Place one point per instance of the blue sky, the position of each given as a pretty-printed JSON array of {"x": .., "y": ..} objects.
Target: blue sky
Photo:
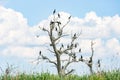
[
  {"x": 19, "y": 21},
  {"x": 37, "y": 10}
]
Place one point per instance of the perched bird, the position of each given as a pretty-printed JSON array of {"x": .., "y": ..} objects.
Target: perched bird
[
  {"x": 60, "y": 33},
  {"x": 54, "y": 11},
  {"x": 81, "y": 58},
  {"x": 74, "y": 56},
  {"x": 58, "y": 15},
  {"x": 98, "y": 63},
  {"x": 52, "y": 25},
  {"x": 75, "y": 36},
  {"x": 62, "y": 46},
  {"x": 90, "y": 61},
  {"x": 69, "y": 17},
  {"x": 56, "y": 29},
  {"x": 44, "y": 57},
  {"x": 40, "y": 53},
  {"x": 71, "y": 45},
  {"x": 51, "y": 44},
  {"x": 75, "y": 45},
  {"x": 44, "y": 29},
  {"x": 58, "y": 22},
  {"x": 67, "y": 46},
  {"x": 51, "y": 22},
  {"x": 80, "y": 50}
]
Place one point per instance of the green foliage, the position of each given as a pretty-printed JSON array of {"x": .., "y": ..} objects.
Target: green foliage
[{"x": 110, "y": 75}]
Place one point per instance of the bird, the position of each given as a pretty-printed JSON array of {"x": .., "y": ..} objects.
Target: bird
[
  {"x": 56, "y": 29},
  {"x": 98, "y": 63},
  {"x": 69, "y": 17},
  {"x": 40, "y": 53},
  {"x": 51, "y": 22},
  {"x": 62, "y": 46},
  {"x": 54, "y": 11},
  {"x": 74, "y": 37},
  {"x": 80, "y": 50},
  {"x": 74, "y": 56},
  {"x": 58, "y": 22},
  {"x": 90, "y": 61},
  {"x": 75, "y": 45},
  {"x": 44, "y": 29},
  {"x": 60, "y": 33},
  {"x": 67, "y": 46},
  {"x": 52, "y": 25},
  {"x": 44, "y": 57},
  {"x": 81, "y": 58},
  {"x": 58, "y": 15}
]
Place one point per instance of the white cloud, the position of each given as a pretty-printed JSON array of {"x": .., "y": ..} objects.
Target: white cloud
[
  {"x": 113, "y": 45},
  {"x": 19, "y": 51},
  {"x": 21, "y": 41}
]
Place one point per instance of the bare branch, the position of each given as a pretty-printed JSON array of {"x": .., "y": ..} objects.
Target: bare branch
[
  {"x": 72, "y": 70},
  {"x": 51, "y": 51},
  {"x": 44, "y": 29},
  {"x": 67, "y": 22},
  {"x": 46, "y": 58}
]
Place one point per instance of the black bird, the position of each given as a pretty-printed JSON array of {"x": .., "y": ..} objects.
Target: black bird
[
  {"x": 71, "y": 45},
  {"x": 75, "y": 45},
  {"x": 40, "y": 53},
  {"x": 67, "y": 46},
  {"x": 74, "y": 56},
  {"x": 52, "y": 25},
  {"x": 90, "y": 61},
  {"x": 74, "y": 37},
  {"x": 80, "y": 50},
  {"x": 51, "y": 22},
  {"x": 56, "y": 29},
  {"x": 54, "y": 11},
  {"x": 98, "y": 63},
  {"x": 60, "y": 33},
  {"x": 58, "y": 15},
  {"x": 62, "y": 45},
  {"x": 81, "y": 57},
  {"x": 58, "y": 23},
  {"x": 69, "y": 17}
]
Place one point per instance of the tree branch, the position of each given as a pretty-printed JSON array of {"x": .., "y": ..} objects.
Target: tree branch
[
  {"x": 69, "y": 72},
  {"x": 46, "y": 58}
]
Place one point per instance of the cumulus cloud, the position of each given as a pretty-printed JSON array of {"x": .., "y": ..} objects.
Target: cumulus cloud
[
  {"x": 15, "y": 31},
  {"x": 19, "y": 39}
]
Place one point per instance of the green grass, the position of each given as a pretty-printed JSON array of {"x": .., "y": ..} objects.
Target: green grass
[{"x": 110, "y": 75}]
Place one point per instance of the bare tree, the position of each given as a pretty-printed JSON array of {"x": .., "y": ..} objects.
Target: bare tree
[
  {"x": 55, "y": 33},
  {"x": 89, "y": 62},
  {"x": 71, "y": 49}
]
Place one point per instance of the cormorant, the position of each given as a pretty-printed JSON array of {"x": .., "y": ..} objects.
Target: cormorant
[
  {"x": 54, "y": 11},
  {"x": 40, "y": 53},
  {"x": 69, "y": 17},
  {"x": 58, "y": 15}
]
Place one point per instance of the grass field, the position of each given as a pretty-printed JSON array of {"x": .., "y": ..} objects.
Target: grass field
[{"x": 110, "y": 75}]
